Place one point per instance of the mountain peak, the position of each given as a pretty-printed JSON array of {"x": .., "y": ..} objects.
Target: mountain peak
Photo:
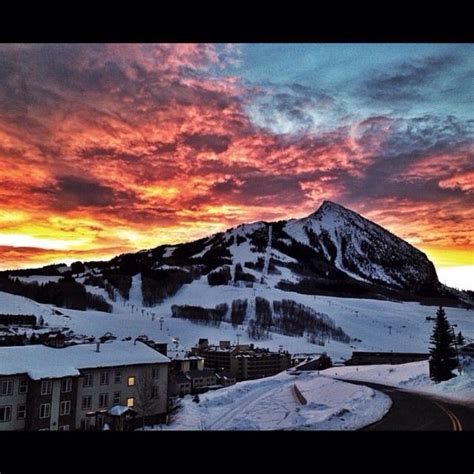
[{"x": 329, "y": 206}]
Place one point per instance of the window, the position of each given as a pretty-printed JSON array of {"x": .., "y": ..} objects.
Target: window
[
  {"x": 23, "y": 387},
  {"x": 131, "y": 381},
  {"x": 155, "y": 392},
  {"x": 21, "y": 412},
  {"x": 88, "y": 380},
  {"x": 104, "y": 378},
  {"x": 66, "y": 385},
  {"x": 86, "y": 402},
  {"x": 46, "y": 387},
  {"x": 118, "y": 377},
  {"x": 64, "y": 428},
  {"x": 116, "y": 398},
  {"x": 6, "y": 387},
  {"x": 65, "y": 408},
  {"x": 103, "y": 400},
  {"x": 45, "y": 410},
  {"x": 5, "y": 414},
  {"x": 155, "y": 373},
  {"x": 130, "y": 402}
]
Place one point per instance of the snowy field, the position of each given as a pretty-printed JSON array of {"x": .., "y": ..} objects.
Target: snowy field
[
  {"x": 413, "y": 376},
  {"x": 379, "y": 325},
  {"x": 270, "y": 404}
]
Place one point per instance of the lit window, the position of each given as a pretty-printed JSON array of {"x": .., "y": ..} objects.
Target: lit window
[
  {"x": 130, "y": 402},
  {"x": 131, "y": 381}
]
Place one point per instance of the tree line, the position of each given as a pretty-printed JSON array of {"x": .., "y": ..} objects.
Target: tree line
[{"x": 65, "y": 293}]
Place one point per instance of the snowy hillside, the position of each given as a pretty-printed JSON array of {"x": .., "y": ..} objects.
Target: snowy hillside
[{"x": 371, "y": 324}]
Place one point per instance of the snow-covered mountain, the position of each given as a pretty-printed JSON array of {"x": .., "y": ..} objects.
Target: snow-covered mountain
[
  {"x": 363, "y": 249},
  {"x": 333, "y": 251}
]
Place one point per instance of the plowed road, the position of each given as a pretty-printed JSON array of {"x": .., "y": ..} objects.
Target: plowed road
[{"x": 418, "y": 412}]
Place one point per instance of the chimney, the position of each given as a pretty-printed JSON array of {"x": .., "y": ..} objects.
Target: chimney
[{"x": 97, "y": 349}]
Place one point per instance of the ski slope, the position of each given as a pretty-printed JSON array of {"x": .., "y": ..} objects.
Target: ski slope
[{"x": 368, "y": 321}]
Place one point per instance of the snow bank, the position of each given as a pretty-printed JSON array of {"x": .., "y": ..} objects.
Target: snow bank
[
  {"x": 413, "y": 376},
  {"x": 270, "y": 404}
]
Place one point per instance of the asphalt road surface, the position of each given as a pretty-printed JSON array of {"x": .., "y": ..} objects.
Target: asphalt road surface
[{"x": 418, "y": 412}]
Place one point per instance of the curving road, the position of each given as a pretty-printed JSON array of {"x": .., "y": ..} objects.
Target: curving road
[{"x": 419, "y": 412}]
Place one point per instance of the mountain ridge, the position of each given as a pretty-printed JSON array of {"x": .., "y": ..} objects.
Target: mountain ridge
[{"x": 333, "y": 250}]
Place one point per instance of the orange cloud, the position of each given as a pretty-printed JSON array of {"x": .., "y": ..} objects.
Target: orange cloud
[{"x": 113, "y": 148}]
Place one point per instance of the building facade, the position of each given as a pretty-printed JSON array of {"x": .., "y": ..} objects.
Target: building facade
[
  {"x": 369, "y": 358},
  {"x": 45, "y": 388},
  {"x": 244, "y": 362}
]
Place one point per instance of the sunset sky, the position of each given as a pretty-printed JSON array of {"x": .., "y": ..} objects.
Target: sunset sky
[{"x": 111, "y": 148}]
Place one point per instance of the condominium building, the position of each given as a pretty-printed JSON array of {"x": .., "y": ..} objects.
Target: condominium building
[
  {"x": 244, "y": 362},
  {"x": 46, "y": 388}
]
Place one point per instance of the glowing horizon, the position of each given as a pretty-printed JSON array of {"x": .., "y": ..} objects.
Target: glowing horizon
[{"x": 114, "y": 148}]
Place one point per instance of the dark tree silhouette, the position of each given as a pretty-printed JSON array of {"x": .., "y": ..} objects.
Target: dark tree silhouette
[{"x": 443, "y": 352}]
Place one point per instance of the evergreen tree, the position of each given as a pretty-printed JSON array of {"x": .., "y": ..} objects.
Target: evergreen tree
[
  {"x": 443, "y": 352},
  {"x": 460, "y": 339}
]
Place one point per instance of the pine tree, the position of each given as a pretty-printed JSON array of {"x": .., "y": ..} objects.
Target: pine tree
[
  {"x": 460, "y": 339},
  {"x": 443, "y": 352}
]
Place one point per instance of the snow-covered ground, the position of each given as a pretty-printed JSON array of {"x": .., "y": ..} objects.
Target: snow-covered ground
[
  {"x": 41, "y": 279},
  {"x": 413, "y": 376},
  {"x": 270, "y": 404},
  {"x": 379, "y": 325}
]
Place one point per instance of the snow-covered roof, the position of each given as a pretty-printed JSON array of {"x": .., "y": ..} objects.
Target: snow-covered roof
[
  {"x": 118, "y": 410},
  {"x": 46, "y": 362}
]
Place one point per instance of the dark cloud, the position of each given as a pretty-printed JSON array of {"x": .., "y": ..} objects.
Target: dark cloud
[
  {"x": 206, "y": 142},
  {"x": 98, "y": 153},
  {"x": 415, "y": 137},
  {"x": 410, "y": 156},
  {"x": 71, "y": 192},
  {"x": 407, "y": 80},
  {"x": 260, "y": 190}
]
